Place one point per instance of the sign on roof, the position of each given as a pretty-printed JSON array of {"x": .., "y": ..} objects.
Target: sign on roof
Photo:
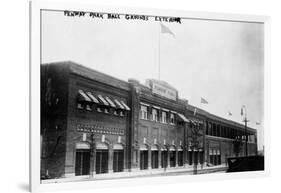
[{"x": 163, "y": 89}]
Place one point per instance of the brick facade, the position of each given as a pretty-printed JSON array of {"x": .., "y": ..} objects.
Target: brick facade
[{"x": 82, "y": 139}]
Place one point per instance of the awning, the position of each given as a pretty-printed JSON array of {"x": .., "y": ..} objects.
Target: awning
[
  {"x": 103, "y": 100},
  {"x": 124, "y": 105},
  {"x": 110, "y": 102},
  {"x": 119, "y": 104},
  {"x": 92, "y": 97},
  {"x": 183, "y": 117},
  {"x": 82, "y": 96}
]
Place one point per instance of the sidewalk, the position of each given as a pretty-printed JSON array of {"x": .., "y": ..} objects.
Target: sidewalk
[{"x": 141, "y": 173}]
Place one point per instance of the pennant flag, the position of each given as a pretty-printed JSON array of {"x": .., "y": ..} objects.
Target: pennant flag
[
  {"x": 242, "y": 110},
  {"x": 229, "y": 113},
  {"x": 195, "y": 111},
  {"x": 165, "y": 29},
  {"x": 258, "y": 123},
  {"x": 204, "y": 101}
]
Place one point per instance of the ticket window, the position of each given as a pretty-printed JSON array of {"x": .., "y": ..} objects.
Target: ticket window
[
  {"x": 118, "y": 158},
  {"x": 101, "y": 158}
]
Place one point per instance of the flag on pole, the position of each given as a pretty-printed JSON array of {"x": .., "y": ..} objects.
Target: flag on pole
[
  {"x": 165, "y": 29},
  {"x": 204, "y": 101},
  {"x": 229, "y": 113}
]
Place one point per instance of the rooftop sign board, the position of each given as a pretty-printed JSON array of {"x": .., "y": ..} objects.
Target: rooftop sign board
[{"x": 162, "y": 88}]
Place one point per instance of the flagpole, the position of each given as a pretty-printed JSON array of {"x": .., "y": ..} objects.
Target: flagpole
[{"x": 159, "y": 51}]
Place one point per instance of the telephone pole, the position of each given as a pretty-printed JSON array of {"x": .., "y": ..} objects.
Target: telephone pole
[{"x": 246, "y": 135}]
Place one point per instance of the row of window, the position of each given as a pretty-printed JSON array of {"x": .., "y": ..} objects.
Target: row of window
[
  {"x": 157, "y": 115},
  {"x": 82, "y": 161},
  {"x": 164, "y": 159},
  {"x": 100, "y": 109},
  {"x": 226, "y": 132}
]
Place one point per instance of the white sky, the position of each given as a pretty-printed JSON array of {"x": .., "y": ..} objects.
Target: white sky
[{"x": 217, "y": 60}]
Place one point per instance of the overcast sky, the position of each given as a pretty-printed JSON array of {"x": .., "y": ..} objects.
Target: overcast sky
[{"x": 221, "y": 61}]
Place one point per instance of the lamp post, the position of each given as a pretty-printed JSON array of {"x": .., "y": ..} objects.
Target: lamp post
[{"x": 246, "y": 135}]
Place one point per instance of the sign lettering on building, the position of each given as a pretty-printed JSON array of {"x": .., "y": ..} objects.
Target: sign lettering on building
[
  {"x": 163, "y": 90},
  {"x": 100, "y": 129}
]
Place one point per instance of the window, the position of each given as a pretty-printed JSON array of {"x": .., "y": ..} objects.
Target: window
[
  {"x": 99, "y": 109},
  {"x": 164, "y": 117},
  {"x": 106, "y": 110},
  {"x": 115, "y": 112},
  {"x": 143, "y": 112},
  {"x": 80, "y": 105},
  {"x": 88, "y": 107},
  {"x": 154, "y": 115},
  {"x": 172, "y": 118},
  {"x": 122, "y": 113}
]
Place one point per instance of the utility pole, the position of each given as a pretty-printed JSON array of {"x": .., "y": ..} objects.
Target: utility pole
[{"x": 246, "y": 135}]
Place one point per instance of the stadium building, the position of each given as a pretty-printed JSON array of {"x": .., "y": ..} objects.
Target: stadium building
[{"x": 93, "y": 123}]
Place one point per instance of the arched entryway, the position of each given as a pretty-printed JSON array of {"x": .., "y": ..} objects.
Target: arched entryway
[
  {"x": 180, "y": 156},
  {"x": 118, "y": 158},
  {"x": 82, "y": 159},
  {"x": 164, "y": 157},
  {"x": 172, "y": 151},
  {"x": 154, "y": 156},
  {"x": 143, "y": 157},
  {"x": 101, "y": 158}
]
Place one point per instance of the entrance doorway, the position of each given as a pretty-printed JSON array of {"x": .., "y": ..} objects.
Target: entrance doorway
[
  {"x": 154, "y": 157},
  {"x": 143, "y": 157},
  {"x": 180, "y": 157},
  {"x": 101, "y": 158},
  {"x": 118, "y": 158},
  {"x": 82, "y": 162},
  {"x": 164, "y": 158},
  {"x": 172, "y": 151}
]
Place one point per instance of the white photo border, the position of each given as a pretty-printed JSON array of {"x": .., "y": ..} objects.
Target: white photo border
[{"x": 34, "y": 82}]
